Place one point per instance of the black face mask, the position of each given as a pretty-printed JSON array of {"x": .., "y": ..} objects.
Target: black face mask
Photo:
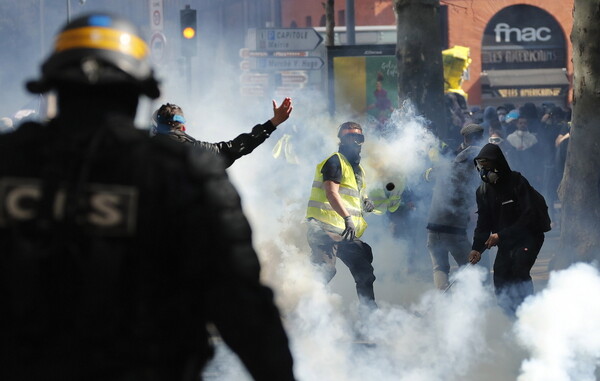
[
  {"x": 350, "y": 147},
  {"x": 351, "y": 152}
]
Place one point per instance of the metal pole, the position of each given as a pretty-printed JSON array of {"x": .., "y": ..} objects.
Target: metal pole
[
  {"x": 350, "y": 34},
  {"x": 188, "y": 75},
  {"x": 68, "y": 11}
]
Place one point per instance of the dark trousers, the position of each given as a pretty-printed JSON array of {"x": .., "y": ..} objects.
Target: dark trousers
[
  {"x": 512, "y": 280},
  {"x": 356, "y": 254}
]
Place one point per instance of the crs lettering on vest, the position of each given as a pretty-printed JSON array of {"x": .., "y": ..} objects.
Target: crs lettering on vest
[{"x": 106, "y": 209}]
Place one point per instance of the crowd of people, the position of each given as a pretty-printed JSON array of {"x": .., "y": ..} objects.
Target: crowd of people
[
  {"x": 534, "y": 140},
  {"x": 108, "y": 233}
]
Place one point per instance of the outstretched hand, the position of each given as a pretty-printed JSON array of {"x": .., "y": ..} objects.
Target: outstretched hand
[{"x": 281, "y": 113}]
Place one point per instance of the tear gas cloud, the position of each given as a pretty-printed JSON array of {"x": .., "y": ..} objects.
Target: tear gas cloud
[
  {"x": 418, "y": 333},
  {"x": 559, "y": 328}
]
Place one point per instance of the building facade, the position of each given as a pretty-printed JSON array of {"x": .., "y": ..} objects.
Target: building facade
[{"x": 520, "y": 49}]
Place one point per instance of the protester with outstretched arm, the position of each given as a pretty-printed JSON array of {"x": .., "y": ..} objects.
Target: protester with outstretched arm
[{"x": 169, "y": 120}]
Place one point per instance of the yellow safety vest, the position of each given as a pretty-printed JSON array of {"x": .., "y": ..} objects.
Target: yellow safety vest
[{"x": 319, "y": 207}]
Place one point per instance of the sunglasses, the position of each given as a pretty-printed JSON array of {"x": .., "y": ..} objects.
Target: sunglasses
[
  {"x": 353, "y": 138},
  {"x": 495, "y": 140}
]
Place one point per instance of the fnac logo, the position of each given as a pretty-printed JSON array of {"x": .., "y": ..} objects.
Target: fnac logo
[{"x": 504, "y": 33}]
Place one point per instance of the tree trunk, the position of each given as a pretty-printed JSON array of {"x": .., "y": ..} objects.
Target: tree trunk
[
  {"x": 329, "y": 23},
  {"x": 580, "y": 187},
  {"x": 419, "y": 54}
]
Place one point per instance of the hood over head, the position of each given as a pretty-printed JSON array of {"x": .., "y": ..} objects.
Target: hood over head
[
  {"x": 489, "y": 114},
  {"x": 528, "y": 111},
  {"x": 493, "y": 153}
]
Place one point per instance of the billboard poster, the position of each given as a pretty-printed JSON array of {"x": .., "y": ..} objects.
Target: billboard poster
[{"x": 363, "y": 80}]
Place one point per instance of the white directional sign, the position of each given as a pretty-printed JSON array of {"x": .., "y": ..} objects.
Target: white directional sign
[
  {"x": 291, "y": 39},
  {"x": 285, "y": 63}
]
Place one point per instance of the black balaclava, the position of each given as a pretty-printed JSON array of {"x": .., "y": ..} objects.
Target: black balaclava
[
  {"x": 350, "y": 149},
  {"x": 500, "y": 168}
]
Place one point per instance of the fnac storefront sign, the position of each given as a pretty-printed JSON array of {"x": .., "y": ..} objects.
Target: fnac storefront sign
[{"x": 523, "y": 37}]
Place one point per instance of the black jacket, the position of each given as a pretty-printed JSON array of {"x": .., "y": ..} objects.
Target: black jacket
[
  {"x": 232, "y": 150},
  {"x": 116, "y": 250},
  {"x": 506, "y": 207}
]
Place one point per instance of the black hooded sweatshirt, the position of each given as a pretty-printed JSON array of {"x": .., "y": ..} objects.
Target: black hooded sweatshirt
[{"x": 506, "y": 207}]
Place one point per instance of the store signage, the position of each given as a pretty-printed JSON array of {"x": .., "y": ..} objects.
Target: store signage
[
  {"x": 504, "y": 33},
  {"x": 523, "y": 37},
  {"x": 531, "y": 92}
]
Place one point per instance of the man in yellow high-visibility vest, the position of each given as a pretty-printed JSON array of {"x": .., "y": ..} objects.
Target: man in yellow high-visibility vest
[{"x": 335, "y": 213}]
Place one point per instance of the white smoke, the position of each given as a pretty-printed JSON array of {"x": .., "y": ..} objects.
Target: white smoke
[
  {"x": 560, "y": 328},
  {"x": 418, "y": 333}
]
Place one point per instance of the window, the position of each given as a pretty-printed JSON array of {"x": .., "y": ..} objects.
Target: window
[
  {"x": 342, "y": 18},
  {"x": 323, "y": 21}
]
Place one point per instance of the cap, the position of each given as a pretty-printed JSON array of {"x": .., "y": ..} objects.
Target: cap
[
  {"x": 512, "y": 115},
  {"x": 471, "y": 129}
]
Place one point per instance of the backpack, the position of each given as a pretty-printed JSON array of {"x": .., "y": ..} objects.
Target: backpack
[
  {"x": 543, "y": 221},
  {"x": 541, "y": 210}
]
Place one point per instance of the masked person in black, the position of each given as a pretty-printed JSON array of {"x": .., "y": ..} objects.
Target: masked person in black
[
  {"x": 335, "y": 213},
  {"x": 117, "y": 249},
  {"x": 508, "y": 218},
  {"x": 170, "y": 121}
]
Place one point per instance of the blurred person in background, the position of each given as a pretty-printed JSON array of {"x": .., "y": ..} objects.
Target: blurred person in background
[
  {"x": 169, "y": 120},
  {"x": 553, "y": 122},
  {"x": 118, "y": 249},
  {"x": 511, "y": 122},
  {"x": 530, "y": 112},
  {"x": 451, "y": 207},
  {"x": 497, "y": 137},
  {"x": 501, "y": 111},
  {"x": 490, "y": 120},
  {"x": 526, "y": 153}
]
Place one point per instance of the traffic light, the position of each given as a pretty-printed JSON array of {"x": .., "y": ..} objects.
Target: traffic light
[{"x": 189, "y": 41}]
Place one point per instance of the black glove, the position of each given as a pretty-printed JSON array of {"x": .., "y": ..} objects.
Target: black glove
[
  {"x": 368, "y": 205},
  {"x": 349, "y": 232}
]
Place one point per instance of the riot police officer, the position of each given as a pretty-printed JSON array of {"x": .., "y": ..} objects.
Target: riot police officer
[{"x": 116, "y": 249}]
